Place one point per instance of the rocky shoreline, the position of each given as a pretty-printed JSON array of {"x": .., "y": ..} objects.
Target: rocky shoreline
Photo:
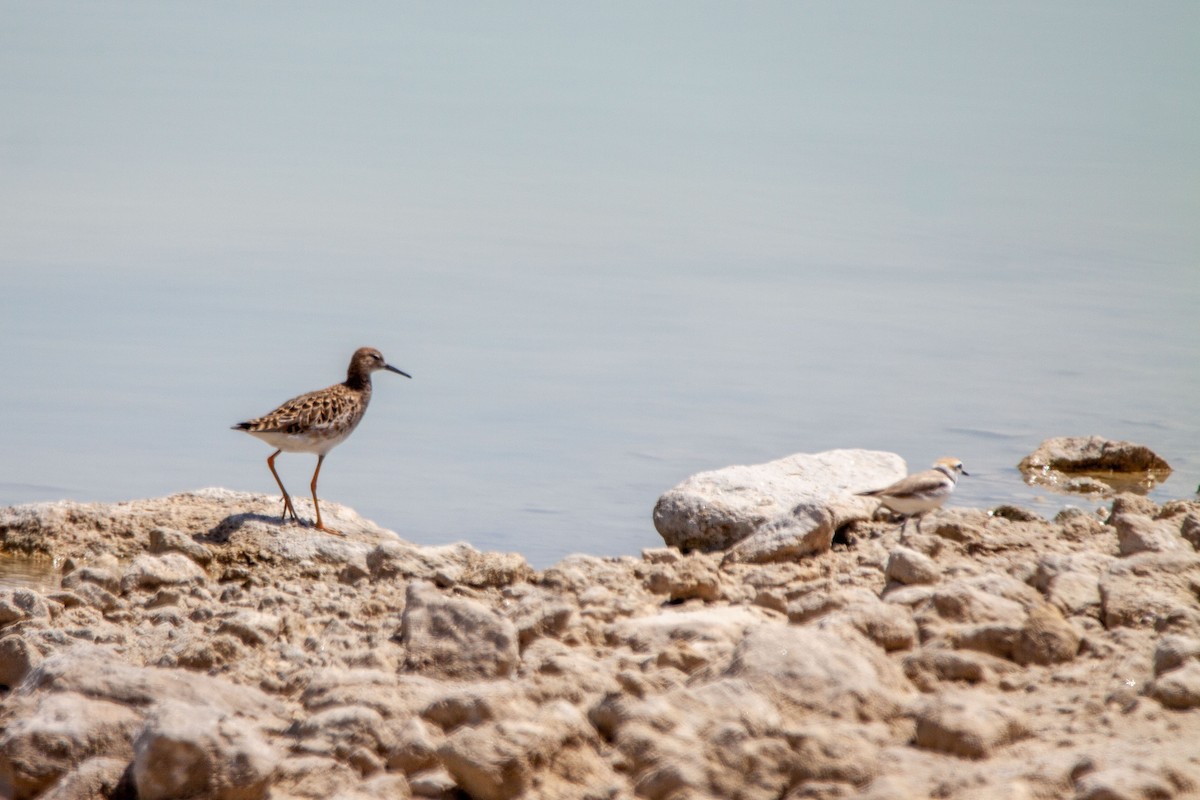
[{"x": 199, "y": 648}]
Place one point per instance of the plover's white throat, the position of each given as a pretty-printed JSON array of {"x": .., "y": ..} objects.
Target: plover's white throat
[
  {"x": 319, "y": 421},
  {"x": 921, "y": 492}
]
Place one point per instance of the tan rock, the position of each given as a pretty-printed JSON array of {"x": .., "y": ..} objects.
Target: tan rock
[
  {"x": 18, "y": 656},
  {"x": 98, "y": 672},
  {"x": 20, "y": 605},
  {"x": 928, "y": 667},
  {"x": 554, "y": 754},
  {"x": 1145, "y": 589},
  {"x": 169, "y": 540},
  {"x": 1071, "y": 582},
  {"x": 712, "y": 634},
  {"x": 56, "y": 732},
  {"x": 393, "y": 696},
  {"x": 455, "y": 637},
  {"x": 555, "y": 671},
  {"x": 805, "y": 531},
  {"x": 148, "y": 572},
  {"x": 104, "y": 577},
  {"x": 253, "y": 628},
  {"x": 446, "y": 565},
  {"x": 889, "y": 625},
  {"x": 432, "y": 783},
  {"x": 188, "y": 750},
  {"x": 1178, "y": 688},
  {"x": 1173, "y": 652},
  {"x": 414, "y": 746},
  {"x": 693, "y": 577},
  {"x": 841, "y": 675},
  {"x": 907, "y": 566},
  {"x": 338, "y": 730},
  {"x": 312, "y": 777},
  {"x": 94, "y": 779},
  {"x": 1135, "y": 781},
  {"x": 1141, "y": 534},
  {"x": 968, "y": 725},
  {"x": 1045, "y": 637},
  {"x": 540, "y": 613}
]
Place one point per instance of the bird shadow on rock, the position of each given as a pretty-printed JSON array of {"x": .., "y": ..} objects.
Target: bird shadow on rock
[{"x": 224, "y": 530}]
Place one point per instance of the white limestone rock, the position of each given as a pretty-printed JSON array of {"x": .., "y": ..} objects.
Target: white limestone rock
[{"x": 796, "y": 502}]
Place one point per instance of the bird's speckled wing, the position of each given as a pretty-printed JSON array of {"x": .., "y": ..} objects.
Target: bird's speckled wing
[{"x": 331, "y": 407}]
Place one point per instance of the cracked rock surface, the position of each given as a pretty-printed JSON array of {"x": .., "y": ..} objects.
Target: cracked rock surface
[{"x": 198, "y": 648}]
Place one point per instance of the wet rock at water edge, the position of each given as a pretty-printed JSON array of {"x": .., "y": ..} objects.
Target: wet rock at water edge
[{"x": 1094, "y": 465}]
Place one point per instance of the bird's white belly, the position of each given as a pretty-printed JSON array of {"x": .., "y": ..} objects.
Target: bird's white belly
[
  {"x": 318, "y": 441},
  {"x": 916, "y": 504}
]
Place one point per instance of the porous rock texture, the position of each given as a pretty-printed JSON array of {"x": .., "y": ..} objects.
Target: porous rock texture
[{"x": 197, "y": 647}]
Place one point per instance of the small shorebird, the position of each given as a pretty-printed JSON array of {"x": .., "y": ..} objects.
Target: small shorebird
[
  {"x": 921, "y": 492},
  {"x": 319, "y": 421}
]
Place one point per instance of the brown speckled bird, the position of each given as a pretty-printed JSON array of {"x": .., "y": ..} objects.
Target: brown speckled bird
[{"x": 319, "y": 421}]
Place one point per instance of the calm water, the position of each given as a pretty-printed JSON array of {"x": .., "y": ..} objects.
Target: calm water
[
  {"x": 40, "y": 574},
  {"x": 616, "y": 248}
]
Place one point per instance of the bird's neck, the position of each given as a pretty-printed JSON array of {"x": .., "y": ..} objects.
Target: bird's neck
[
  {"x": 359, "y": 382},
  {"x": 949, "y": 473}
]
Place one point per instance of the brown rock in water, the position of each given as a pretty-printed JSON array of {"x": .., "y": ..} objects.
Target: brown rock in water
[
  {"x": 1092, "y": 454},
  {"x": 1093, "y": 465}
]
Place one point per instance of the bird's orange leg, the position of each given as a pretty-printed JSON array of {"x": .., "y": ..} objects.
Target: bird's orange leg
[
  {"x": 313, "y": 486},
  {"x": 287, "y": 501}
]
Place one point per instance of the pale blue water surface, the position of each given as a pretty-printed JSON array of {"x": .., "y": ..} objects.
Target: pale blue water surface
[{"x": 615, "y": 245}]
